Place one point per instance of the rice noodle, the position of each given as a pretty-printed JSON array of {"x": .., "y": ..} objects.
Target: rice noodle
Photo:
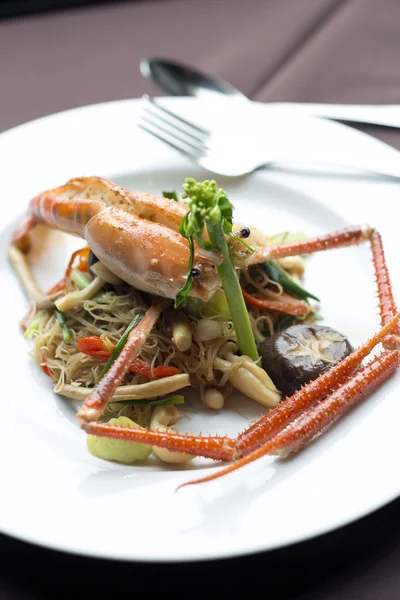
[{"x": 107, "y": 315}]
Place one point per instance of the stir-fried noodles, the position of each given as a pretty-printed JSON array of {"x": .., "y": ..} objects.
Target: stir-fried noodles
[
  {"x": 109, "y": 312},
  {"x": 202, "y": 295}
]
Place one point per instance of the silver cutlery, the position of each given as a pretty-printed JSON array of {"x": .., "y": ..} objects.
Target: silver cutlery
[
  {"x": 274, "y": 139},
  {"x": 177, "y": 79}
]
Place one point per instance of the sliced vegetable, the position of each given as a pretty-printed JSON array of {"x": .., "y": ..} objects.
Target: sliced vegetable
[
  {"x": 78, "y": 297},
  {"x": 120, "y": 345},
  {"x": 172, "y": 195},
  {"x": 33, "y": 325},
  {"x": 276, "y": 273},
  {"x": 210, "y": 207},
  {"x": 66, "y": 333},
  {"x": 164, "y": 402},
  {"x": 46, "y": 368},
  {"x": 141, "y": 367},
  {"x": 96, "y": 347},
  {"x": 79, "y": 279},
  {"x": 158, "y": 388},
  {"x": 287, "y": 304},
  {"x": 118, "y": 450},
  {"x": 217, "y": 305}
]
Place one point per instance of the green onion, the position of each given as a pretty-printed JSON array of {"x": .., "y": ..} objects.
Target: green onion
[
  {"x": 233, "y": 292},
  {"x": 171, "y": 400},
  {"x": 79, "y": 279},
  {"x": 33, "y": 325},
  {"x": 66, "y": 333},
  {"x": 276, "y": 273},
  {"x": 120, "y": 345},
  {"x": 172, "y": 195}
]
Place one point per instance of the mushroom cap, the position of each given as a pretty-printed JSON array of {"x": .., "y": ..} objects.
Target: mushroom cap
[{"x": 301, "y": 353}]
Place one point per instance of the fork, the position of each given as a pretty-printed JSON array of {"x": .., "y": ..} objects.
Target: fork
[{"x": 280, "y": 138}]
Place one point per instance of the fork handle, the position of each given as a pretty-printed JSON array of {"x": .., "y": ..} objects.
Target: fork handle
[{"x": 386, "y": 115}]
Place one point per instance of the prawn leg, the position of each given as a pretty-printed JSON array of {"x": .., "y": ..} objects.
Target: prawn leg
[
  {"x": 226, "y": 449},
  {"x": 292, "y": 407},
  {"x": 321, "y": 416},
  {"x": 278, "y": 418},
  {"x": 349, "y": 236},
  {"x": 387, "y": 304},
  {"x": 94, "y": 405},
  {"x": 215, "y": 447}
]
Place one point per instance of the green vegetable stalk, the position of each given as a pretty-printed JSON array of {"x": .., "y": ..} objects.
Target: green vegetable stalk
[
  {"x": 120, "y": 344},
  {"x": 66, "y": 333},
  {"x": 210, "y": 207},
  {"x": 176, "y": 399},
  {"x": 276, "y": 273},
  {"x": 79, "y": 279},
  {"x": 33, "y": 325}
]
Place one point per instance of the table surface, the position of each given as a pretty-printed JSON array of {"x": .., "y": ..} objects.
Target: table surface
[{"x": 314, "y": 50}]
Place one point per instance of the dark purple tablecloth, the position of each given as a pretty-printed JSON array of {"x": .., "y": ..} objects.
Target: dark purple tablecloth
[{"x": 309, "y": 50}]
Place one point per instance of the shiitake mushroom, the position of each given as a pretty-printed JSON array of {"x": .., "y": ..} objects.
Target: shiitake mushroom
[{"x": 301, "y": 353}]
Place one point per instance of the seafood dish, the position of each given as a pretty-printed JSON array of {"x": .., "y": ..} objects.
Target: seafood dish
[{"x": 170, "y": 292}]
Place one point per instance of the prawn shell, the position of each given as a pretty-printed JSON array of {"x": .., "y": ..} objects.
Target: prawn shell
[{"x": 149, "y": 256}]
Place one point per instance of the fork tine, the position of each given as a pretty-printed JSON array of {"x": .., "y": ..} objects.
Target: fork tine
[
  {"x": 164, "y": 110},
  {"x": 180, "y": 148},
  {"x": 200, "y": 139},
  {"x": 194, "y": 145}
]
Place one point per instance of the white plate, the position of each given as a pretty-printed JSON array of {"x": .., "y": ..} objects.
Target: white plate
[{"x": 56, "y": 494}]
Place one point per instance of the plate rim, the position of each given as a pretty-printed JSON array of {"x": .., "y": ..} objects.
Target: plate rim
[{"x": 235, "y": 553}]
